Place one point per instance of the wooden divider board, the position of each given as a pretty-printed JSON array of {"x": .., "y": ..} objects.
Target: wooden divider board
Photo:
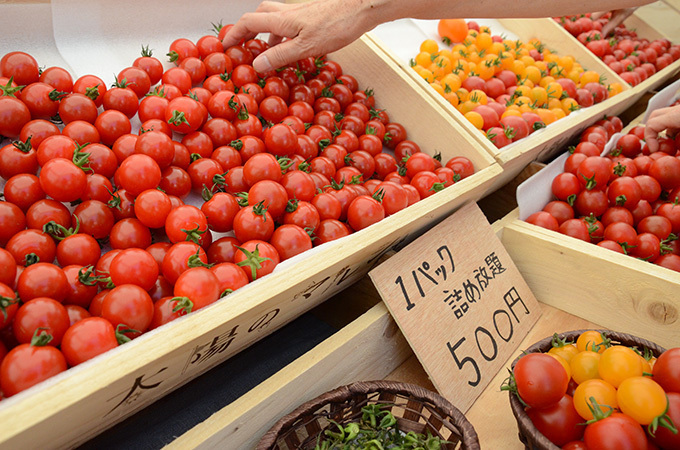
[
  {"x": 369, "y": 348},
  {"x": 616, "y": 291},
  {"x": 454, "y": 287}
]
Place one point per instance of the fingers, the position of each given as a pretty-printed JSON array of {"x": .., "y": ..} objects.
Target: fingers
[
  {"x": 660, "y": 120},
  {"x": 263, "y": 20},
  {"x": 618, "y": 16},
  {"x": 286, "y": 52}
]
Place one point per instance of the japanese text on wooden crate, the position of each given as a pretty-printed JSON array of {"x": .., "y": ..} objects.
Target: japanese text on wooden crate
[{"x": 460, "y": 302}]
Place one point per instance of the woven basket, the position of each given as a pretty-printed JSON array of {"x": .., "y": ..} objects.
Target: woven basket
[
  {"x": 415, "y": 408},
  {"x": 528, "y": 434}
]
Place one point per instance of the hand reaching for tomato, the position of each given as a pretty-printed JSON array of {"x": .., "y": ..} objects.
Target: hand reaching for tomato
[
  {"x": 323, "y": 26},
  {"x": 667, "y": 119},
  {"x": 616, "y": 19}
]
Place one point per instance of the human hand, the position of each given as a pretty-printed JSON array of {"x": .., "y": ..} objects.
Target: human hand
[
  {"x": 617, "y": 18},
  {"x": 667, "y": 119},
  {"x": 299, "y": 30}
]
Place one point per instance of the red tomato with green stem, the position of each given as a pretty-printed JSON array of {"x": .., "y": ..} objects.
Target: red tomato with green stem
[
  {"x": 128, "y": 305},
  {"x": 541, "y": 381},
  {"x": 82, "y": 285},
  {"x": 41, "y": 313},
  {"x": 185, "y": 223},
  {"x": 168, "y": 309},
  {"x": 290, "y": 240},
  {"x": 198, "y": 284},
  {"x": 88, "y": 338},
  {"x": 566, "y": 187},
  {"x": 180, "y": 257},
  {"x": 256, "y": 258},
  {"x": 9, "y": 303},
  {"x": 28, "y": 364}
]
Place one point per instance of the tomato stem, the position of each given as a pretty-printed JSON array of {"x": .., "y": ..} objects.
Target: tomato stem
[
  {"x": 183, "y": 304},
  {"x": 253, "y": 260},
  {"x": 41, "y": 337}
]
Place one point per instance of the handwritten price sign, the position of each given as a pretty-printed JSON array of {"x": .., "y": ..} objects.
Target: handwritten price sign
[{"x": 460, "y": 302}]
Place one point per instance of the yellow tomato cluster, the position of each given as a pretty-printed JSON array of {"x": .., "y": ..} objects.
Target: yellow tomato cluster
[
  {"x": 612, "y": 375},
  {"x": 482, "y": 55}
]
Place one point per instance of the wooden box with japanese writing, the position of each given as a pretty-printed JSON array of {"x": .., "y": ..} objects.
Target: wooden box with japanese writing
[
  {"x": 480, "y": 74},
  {"x": 76, "y": 404}
]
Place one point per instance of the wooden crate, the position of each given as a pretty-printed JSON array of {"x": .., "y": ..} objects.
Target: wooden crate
[
  {"x": 76, "y": 405},
  {"x": 611, "y": 289},
  {"x": 543, "y": 144},
  {"x": 384, "y": 353}
]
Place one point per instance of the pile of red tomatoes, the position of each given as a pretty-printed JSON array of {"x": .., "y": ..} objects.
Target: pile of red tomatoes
[
  {"x": 106, "y": 233},
  {"x": 626, "y": 201},
  {"x": 593, "y": 394},
  {"x": 634, "y": 58}
]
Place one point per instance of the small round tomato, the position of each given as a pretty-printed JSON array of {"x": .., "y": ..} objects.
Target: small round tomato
[
  {"x": 88, "y": 338},
  {"x": 128, "y": 305},
  {"x": 42, "y": 280},
  {"x": 198, "y": 284},
  {"x": 134, "y": 266},
  {"x": 256, "y": 258},
  {"x": 28, "y": 364},
  {"x": 560, "y": 423},
  {"x": 642, "y": 399},
  {"x": 666, "y": 370},
  {"x": 38, "y": 314},
  {"x": 290, "y": 240},
  {"x": 603, "y": 393},
  {"x": 616, "y": 432},
  {"x": 541, "y": 380},
  {"x": 618, "y": 363}
]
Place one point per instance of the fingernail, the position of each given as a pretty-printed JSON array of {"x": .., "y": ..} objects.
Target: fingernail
[{"x": 261, "y": 64}]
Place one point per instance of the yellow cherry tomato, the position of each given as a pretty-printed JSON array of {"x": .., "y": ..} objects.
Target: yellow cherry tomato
[
  {"x": 584, "y": 366},
  {"x": 618, "y": 363},
  {"x": 592, "y": 341},
  {"x": 567, "y": 351},
  {"x": 641, "y": 398},
  {"x": 429, "y": 46},
  {"x": 603, "y": 393},
  {"x": 475, "y": 118}
]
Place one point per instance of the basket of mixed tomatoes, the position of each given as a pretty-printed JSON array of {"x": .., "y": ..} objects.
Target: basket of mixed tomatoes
[{"x": 596, "y": 389}]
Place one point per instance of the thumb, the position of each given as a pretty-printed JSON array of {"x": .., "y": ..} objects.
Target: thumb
[{"x": 285, "y": 53}]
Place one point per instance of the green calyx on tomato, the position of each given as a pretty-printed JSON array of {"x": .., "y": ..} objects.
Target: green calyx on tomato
[
  {"x": 60, "y": 232},
  {"x": 510, "y": 385},
  {"x": 194, "y": 234},
  {"x": 121, "y": 329},
  {"x": 177, "y": 118},
  {"x": 558, "y": 342},
  {"x": 253, "y": 260},
  {"x": 436, "y": 187},
  {"x": 31, "y": 259},
  {"x": 242, "y": 199},
  {"x": 195, "y": 261},
  {"x": 292, "y": 205},
  {"x": 596, "y": 409},
  {"x": 22, "y": 146},
  {"x": 284, "y": 162},
  {"x": 172, "y": 56},
  {"x": 82, "y": 159},
  {"x": 182, "y": 304},
  {"x": 662, "y": 420},
  {"x": 56, "y": 95},
  {"x": 6, "y": 302},
  {"x": 86, "y": 276},
  {"x": 8, "y": 90},
  {"x": 120, "y": 83},
  {"x": 41, "y": 337},
  {"x": 259, "y": 209}
]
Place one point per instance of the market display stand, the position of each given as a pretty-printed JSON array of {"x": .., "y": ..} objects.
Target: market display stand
[{"x": 371, "y": 347}]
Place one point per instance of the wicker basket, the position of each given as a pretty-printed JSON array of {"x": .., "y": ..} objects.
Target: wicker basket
[
  {"x": 528, "y": 434},
  {"x": 415, "y": 408}
]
